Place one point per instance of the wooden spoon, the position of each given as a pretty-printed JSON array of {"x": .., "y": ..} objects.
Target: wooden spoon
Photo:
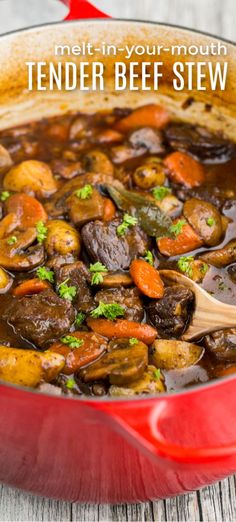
[{"x": 209, "y": 315}]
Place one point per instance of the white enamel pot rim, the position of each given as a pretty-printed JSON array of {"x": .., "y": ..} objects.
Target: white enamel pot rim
[{"x": 38, "y": 43}]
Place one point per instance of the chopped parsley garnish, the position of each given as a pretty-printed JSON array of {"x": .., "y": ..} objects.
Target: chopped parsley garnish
[
  {"x": 85, "y": 192},
  {"x": 72, "y": 341},
  {"x": 67, "y": 292},
  {"x": 204, "y": 268},
  {"x": 185, "y": 264},
  {"x": 210, "y": 222},
  {"x": 80, "y": 318},
  {"x": 149, "y": 257},
  {"x": 41, "y": 231},
  {"x": 110, "y": 311},
  {"x": 128, "y": 221},
  {"x": 4, "y": 195},
  {"x": 222, "y": 286},
  {"x": 45, "y": 274},
  {"x": 177, "y": 228},
  {"x": 98, "y": 270},
  {"x": 70, "y": 383},
  {"x": 133, "y": 341},
  {"x": 160, "y": 193},
  {"x": 12, "y": 240},
  {"x": 157, "y": 374}
]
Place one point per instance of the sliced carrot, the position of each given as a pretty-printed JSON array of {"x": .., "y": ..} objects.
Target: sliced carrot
[
  {"x": 226, "y": 371},
  {"x": 184, "y": 242},
  {"x": 93, "y": 346},
  {"x": 123, "y": 328},
  {"x": 146, "y": 278},
  {"x": 58, "y": 131},
  {"x": 109, "y": 210},
  {"x": 116, "y": 280},
  {"x": 30, "y": 287},
  {"x": 184, "y": 170},
  {"x": 28, "y": 209},
  {"x": 148, "y": 116},
  {"x": 109, "y": 136}
]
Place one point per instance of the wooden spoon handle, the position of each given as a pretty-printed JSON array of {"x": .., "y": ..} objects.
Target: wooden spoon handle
[
  {"x": 209, "y": 318},
  {"x": 210, "y": 314}
]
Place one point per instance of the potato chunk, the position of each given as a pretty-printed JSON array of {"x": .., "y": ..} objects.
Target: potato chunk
[
  {"x": 62, "y": 238},
  {"x": 5, "y": 281},
  {"x": 28, "y": 367},
  {"x": 33, "y": 177},
  {"x": 149, "y": 175},
  {"x": 174, "y": 355},
  {"x": 97, "y": 161}
]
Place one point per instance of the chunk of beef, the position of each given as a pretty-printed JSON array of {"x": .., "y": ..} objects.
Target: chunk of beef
[
  {"x": 204, "y": 145},
  {"x": 66, "y": 169},
  {"x": 149, "y": 138},
  {"x": 222, "y": 344},
  {"x": 115, "y": 252},
  {"x": 82, "y": 211},
  {"x": 171, "y": 314},
  {"x": 128, "y": 298},
  {"x": 41, "y": 318},
  {"x": 77, "y": 275}
]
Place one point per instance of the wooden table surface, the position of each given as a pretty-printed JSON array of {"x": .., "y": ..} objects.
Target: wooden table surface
[{"x": 212, "y": 504}]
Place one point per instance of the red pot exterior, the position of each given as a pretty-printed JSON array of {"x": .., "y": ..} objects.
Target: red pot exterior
[
  {"x": 116, "y": 451},
  {"x": 95, "y": 451}
]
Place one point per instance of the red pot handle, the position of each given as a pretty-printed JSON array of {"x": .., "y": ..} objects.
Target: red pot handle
[
  {"x": 145, "y": 429},
  {"x": 79, "y": 9}
]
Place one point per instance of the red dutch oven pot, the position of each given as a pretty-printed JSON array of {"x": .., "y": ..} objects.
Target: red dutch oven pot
[{"x": 112, "y": 450}]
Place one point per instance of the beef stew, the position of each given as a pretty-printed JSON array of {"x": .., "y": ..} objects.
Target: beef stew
[{"x": 92, "y": 207}]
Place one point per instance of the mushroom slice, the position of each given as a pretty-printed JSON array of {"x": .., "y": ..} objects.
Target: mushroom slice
[
  {"x": 174, "y": 355},
  {"x": 222, "y": 257},
  {"x": 205, "y": 220},
  {"x": 150, "y": 382},
  {"x": 14, "y": 254},
  {"x": 116, "y": 280},
  {"x": 58, "y": 204},
  {"x": 5, "y": 281},
  {"x": 123, "y": 365},
  {"x": 9, "y": 223},
  {"x": 28, "y": 367}
]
